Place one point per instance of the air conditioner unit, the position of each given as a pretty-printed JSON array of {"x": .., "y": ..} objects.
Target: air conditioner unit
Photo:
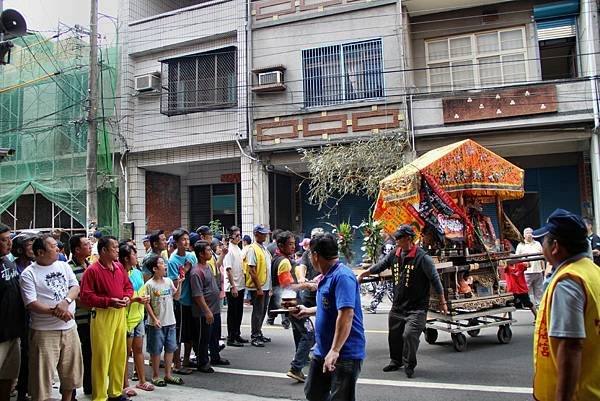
[
  {"x": 147, "y": 82},
  {"x": 270, "y": 78}
]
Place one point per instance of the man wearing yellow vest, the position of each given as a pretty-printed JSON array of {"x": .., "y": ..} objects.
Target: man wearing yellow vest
[
  {"x": 567, "y": 331},
  {"x": 258, "y": 283}
]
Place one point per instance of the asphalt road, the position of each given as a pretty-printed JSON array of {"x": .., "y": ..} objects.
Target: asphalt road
[{"x": 487, "y": 370}]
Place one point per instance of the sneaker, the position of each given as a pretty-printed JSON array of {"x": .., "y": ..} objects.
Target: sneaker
[
  {"x": 392, "y": 367},
  {"x": 206, "y": 369},
  {"x": 285, "y": 324},
  {"x": 257, "y": 342},
  {"x": 234, "y": 343},
  {"x": 410, "y": 372},
  {"x": 220, "y": 362},
  {"x": 265, "y": 339},
  {"x": 296, "y": 374},
  {"x": 242, "y": 340},
  {"x": 271, "y": 322}
]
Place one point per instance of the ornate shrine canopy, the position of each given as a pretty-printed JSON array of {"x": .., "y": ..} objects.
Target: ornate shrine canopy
[{"x": 463, "y": 168}]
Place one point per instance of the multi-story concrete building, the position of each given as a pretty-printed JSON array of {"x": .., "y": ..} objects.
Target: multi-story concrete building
[
  {"x": 279, "y": 75},
  {"x": 517, "y": 77},
  {"x": 184, "y": 108},
  {"x": 324, "y": 71}
]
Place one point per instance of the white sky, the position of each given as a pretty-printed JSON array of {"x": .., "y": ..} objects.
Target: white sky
[{"x": 44, "y": 15}]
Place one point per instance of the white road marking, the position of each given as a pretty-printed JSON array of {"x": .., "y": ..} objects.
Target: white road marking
[{"x": 394, "y": 383}]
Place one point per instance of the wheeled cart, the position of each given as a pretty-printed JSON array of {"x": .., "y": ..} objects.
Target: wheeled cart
[{"x": 458, "y": 323}]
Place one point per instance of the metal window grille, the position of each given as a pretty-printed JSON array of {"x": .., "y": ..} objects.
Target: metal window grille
[
  {"x": 200, "y": 82},
  {"x": 341, "y": 73}
]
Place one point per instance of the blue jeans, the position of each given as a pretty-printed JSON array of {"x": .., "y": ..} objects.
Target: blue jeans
[
  {"x": 304, "y": 338},
  {"x": 339, "y": 385}
]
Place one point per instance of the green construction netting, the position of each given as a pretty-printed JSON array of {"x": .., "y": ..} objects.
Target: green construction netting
[{"x": 43, "y": 116}]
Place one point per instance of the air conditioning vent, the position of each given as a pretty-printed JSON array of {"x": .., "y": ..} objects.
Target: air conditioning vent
[
  {"x": 270, "y": 78},
  {"x": 147, "y": 82}
]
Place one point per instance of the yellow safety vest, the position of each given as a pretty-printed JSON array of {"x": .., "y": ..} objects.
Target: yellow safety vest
[
  {"x": 587, "y": 274},
  {"x": 261, "y": 267}
]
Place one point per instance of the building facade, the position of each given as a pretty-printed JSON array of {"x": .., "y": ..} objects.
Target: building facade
[
  {"x": 218, "y": 98},
  {"x": 518, "y": 78},
  {"x": 184, "y": 108}
]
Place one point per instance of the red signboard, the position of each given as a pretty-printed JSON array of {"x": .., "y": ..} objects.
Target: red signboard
[{"x": 500, "y": 104}]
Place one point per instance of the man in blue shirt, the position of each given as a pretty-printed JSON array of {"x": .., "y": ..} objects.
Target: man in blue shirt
[{"x": 339, "y": 330}]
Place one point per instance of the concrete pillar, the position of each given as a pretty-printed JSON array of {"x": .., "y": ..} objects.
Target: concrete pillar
[{"x": 255, "y": 194}]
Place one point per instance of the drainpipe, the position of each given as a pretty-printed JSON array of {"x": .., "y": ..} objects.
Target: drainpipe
[
  {"x": 595, "y": 142},
  {"x": 125, "y": 182}
]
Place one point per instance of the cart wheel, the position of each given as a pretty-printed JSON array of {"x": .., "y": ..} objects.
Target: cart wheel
[
  {"x": 473, "y": 333},
  {"x": 459, "y": 340},
  {"x": 504, "y": 334},
  {"x": 431, "y": 336}
]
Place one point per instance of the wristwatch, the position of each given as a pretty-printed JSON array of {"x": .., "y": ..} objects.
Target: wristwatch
[{"x": 69, "y": 300}]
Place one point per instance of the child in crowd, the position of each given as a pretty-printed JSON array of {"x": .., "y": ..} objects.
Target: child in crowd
[
  {"x": 135, "y": 319},
  {"x": 161, "y": 329},
  {"x": 515, "y": 283}
]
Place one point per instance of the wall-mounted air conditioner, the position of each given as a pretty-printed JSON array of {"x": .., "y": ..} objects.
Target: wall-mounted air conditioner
[{"x": 147, "y": 82}]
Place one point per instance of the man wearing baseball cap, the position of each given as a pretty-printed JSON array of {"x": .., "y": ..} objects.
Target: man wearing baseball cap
[
  {"x": 566, "y": 343},
  {"x": 414, "y": 274},
  {"x": 258, "y": 283}
]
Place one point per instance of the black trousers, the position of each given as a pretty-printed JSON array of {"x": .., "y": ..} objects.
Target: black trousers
[
  {"x": 339, "y": 385},
  {"x": 209, "y": 341},
  {"x": 235, "y": 312},
  {"x": 405, "y": 328}
]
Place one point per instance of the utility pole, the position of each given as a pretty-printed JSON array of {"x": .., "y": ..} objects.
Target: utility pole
[{"x": 92, "y": 139}]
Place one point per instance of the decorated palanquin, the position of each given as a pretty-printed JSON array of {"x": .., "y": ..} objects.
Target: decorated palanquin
[{"x": 441, "y": 195}]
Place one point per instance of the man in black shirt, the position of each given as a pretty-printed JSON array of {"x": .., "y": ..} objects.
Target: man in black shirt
[
  {"x": 413, "y": 273},
  {"x": 12, "y": 316}
]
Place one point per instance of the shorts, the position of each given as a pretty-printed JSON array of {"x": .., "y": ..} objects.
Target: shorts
[
  {"x": 137, "y": 331},
  {"x": 50, "y": 350},
  {"x": 190, "y": 326},
  {"x": 10, "y": 358},
  {"x": 522, "y": 301},
  {"x": 158, "y": 339}
]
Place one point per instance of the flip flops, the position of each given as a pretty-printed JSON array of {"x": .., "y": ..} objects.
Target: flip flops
[
  {"x": 159, "y": 382},
  {"x": 174, "y": 380},
  {"x": 183, "y": 371},
  {"x": 146, "y": 386},
  {"x": 129, "y": 392}
]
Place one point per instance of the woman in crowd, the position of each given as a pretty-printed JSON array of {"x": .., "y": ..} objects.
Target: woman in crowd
[{"x": 135, "y": 319}]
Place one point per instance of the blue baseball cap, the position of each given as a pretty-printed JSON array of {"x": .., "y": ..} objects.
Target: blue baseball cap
[
  {"x": 563, "y": 224},
  {"x": 194, "y": 238},
  {"x": 404, "y": 231},
  {"x": 261, "y": 229},
  {"x": 247, "y": 238}
]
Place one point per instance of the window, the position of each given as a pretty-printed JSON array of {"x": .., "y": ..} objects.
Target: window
[
  {"x": 341, "y": 73},
  {"x": 477, "y": 60},
  {"x": 200, "y": 82}
]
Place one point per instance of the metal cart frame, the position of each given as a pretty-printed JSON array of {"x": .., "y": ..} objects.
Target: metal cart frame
[{"x": 471, "y": 323}]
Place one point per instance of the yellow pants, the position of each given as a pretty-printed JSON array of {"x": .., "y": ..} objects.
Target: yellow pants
[{"x": 109, "y": 352}]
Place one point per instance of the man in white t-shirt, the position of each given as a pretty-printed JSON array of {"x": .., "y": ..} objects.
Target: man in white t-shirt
[
  {"x": 534, "y": 275},
  {"x": 235, "y": 285},
  {"x": 49, "y": 288}
]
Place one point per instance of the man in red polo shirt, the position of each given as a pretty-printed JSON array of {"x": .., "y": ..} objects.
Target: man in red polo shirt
[{"x": 106, "y": 287}]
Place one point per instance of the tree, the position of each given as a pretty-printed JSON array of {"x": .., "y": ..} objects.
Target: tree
[{"x": 357, "y": 168}]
